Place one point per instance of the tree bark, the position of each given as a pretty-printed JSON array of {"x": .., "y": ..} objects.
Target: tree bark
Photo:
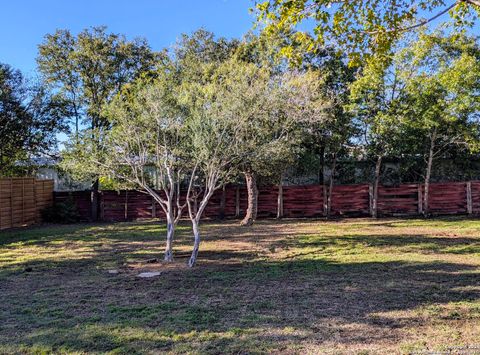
[
  {"x": 280, "y": 199},
  {"x": 252, "y": 192},
  {"x": 378, "y": 167},
  {"x": 330, "y": 187},
  {"x": 170, "y": 233},
  {"x": 321, "y": 179},
  {"x": 196, "y": 244},
  {"x": 428, "y": 174}
]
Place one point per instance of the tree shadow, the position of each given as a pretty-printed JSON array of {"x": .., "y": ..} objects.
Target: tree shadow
[
  {"x": 319, "y": 298},
  {"x": 236, "y": 301}
]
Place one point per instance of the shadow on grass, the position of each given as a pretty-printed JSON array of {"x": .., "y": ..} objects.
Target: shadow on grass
[
  {"x": 70, "y": 306},
  {"x": 234, "y": 301}
]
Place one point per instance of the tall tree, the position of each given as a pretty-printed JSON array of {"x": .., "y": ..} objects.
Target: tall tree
[
  {"x": 327, "y": 130},
  {"x": 377, "y": 101},
  {"x": 443, "y": 103},
  {"x": 212, "y": 152},
  {"x": 87, "y": 70},
  {"x": 30, "y": 118},
  {"x": 257, "y": 101}
]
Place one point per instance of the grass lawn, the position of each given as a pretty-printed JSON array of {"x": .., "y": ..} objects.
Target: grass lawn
[{"x": 350, "y": 286}]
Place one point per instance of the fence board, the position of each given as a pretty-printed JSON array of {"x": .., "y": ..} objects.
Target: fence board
[
  {"x": 448, "y": 198},
  {"x": 350, "y": 200},
  {"x": 303, "y": 201},
  {"x": 398, "y": 200}
]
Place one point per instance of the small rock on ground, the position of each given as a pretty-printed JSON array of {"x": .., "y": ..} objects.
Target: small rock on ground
[{"x": 149, "y": 274}]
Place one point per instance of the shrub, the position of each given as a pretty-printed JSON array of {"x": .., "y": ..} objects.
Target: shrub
[{"x": 61, "y": 212}]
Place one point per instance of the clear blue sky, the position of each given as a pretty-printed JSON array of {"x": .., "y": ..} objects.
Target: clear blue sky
[{"x": 24, "y": 23}]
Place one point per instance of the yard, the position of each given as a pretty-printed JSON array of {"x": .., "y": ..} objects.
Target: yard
[{"x": 360, "y": 285}]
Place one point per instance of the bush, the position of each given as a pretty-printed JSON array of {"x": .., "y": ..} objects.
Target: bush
[{"x": 61, "y": 212}]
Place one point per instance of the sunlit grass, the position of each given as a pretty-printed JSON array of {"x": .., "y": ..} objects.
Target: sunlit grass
[{"x": 345, "y": 286}]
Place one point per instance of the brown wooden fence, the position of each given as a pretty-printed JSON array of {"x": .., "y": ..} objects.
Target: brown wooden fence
[
  {"x": 296, "y": 201},
  {"x": 22, "y": 200}
]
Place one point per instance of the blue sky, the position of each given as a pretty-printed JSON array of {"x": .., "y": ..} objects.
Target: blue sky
[{"x": 23, "y": 24}]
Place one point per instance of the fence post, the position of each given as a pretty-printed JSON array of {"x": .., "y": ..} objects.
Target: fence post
[
  {"x": 420, "y": 199},
  {"x": 11, "y": 202},
  {"x": 325, "y": 206},
  {"x": 237, "y": 202},
  {"x": 469, "y": 197},
  {"x": 280, "y": 201},
  {"x": 23, "y": 201},
  {"x": 126, "y": 205},
  {"x": 102, "y": 205}
]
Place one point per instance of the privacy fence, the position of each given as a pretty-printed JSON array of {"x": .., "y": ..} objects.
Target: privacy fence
[
  {"x": 296, "y": 201},
  {"x": 22, "y": 200}
]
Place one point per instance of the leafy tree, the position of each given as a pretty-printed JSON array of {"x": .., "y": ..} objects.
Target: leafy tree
[
  {"x": 421, "y": 100},
  {"x": 358, "y": 27},
  {"x": 255, "y": 99},
  {"x": 326, "y": 132},
  {"x": 30, "y": 118},
  {"x": 213, "y": 141},
  {"x": 87, "y": 71},
  {"x": 148, "y": 135},
  {"x": 442, "y": 107},
  {"x": 377, "y": 100}
]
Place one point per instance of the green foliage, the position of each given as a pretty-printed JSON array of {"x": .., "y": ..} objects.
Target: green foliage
[
  {"x": 61, "y": 212},
  {"x": 359, "y": 28},
  {"x": 442, "y": 84},
  {"x": 87, "y": 71},
  {"x": 30, "y": 118},
  {"x": 422, "y": 99},
  {"x": 90, "y": 68},
  {"x": 253, "y": 100}
]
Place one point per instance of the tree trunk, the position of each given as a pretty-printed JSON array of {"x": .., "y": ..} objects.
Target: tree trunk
[
  {"x": 330, "y": 187},
  {"x": 252, "y": 191},
  {"x": 94, "y": 201},
  {"x": 170, "y": 232},
  {"x": 321, "y": 172},
  {"x": 196, "y": 243},
  {"x": 378, "y": 167},
  {"x": 426, "y": 195},
  {"x": 280, "y": 199}
]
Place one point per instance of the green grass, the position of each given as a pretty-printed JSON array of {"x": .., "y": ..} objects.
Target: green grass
[{"x": 348, "y": 286}]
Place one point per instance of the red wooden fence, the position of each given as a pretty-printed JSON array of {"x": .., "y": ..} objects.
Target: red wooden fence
[{"x": 296, "y": 201}]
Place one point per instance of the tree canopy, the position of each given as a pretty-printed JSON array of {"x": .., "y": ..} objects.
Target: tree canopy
[
  {"x": 30, "y": 118},
  {"x": 360, "y": 27}
]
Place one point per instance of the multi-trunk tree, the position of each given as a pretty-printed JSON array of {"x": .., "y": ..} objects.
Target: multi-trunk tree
[{"x": 145, "y": 147}]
